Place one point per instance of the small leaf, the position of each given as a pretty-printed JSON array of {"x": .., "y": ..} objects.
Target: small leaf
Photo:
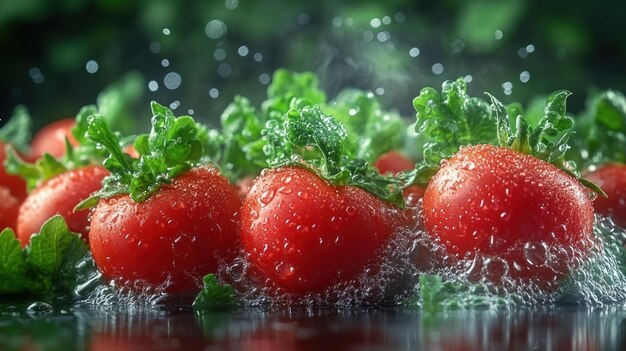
[
  {"x": 17, "y": 130},
  {"x": 214, "y": 296}
]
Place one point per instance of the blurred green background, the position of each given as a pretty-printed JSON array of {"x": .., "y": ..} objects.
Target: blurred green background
[{"x": 195, "y": 56}]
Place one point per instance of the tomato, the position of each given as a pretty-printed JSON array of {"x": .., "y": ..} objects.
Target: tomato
[
  {"x": 172, "y": 239},
  {"x": 9, "y": 206},
  {"x": 59, "y": 195},
  {"x": 305, "y": 235},
  {"x": 612, "y": 179},
  {"x": 51, "y": 138},
  {"x": 512, "y": 208},
  {"x": 394, "y": 162},
  {"x": 15, "y": 184}
]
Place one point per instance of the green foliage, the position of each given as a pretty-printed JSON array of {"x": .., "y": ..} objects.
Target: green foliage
[
  {"x": 548, "y": 140},
  {"x": 214, "y": 296},
  {"x": 437, "y": 295},
  {"x": 17, "y": 130},
  {"x": 601, "y": 131},
  {"x": 48, "y": 264},
  {"x": 449, "y": 120},
  {"x": 173, "y": 146}
]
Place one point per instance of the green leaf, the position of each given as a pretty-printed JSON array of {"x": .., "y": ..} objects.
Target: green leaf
[
  {"x": 214, "y": 296},
  {"x": 17, "y": 130},
  {"x": 371, "y": 130},
  {"x": 118, "y": 101},
  {"x": 449, "y": 120},
  {"x": 173, "y": 146},
  {"x": 13, "y": 265},
  {"x": 287, "y": 85},
  {"x": 601, "y": 131},
  {"x": 437, "y": 296},
  {"x": 49, "y": 249},
  {"x": 49, "y": 263}
]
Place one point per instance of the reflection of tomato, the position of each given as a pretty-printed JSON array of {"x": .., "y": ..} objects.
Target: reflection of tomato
[
  {"x": 178, "y": 235},
  {"x": 612, "y": 179},
  {"x": 59, "y": 195},
  {"x": 13, "y": 183},
  {"x": 511, "y": 207},
  {"x": 305, "y": 235},
  {"x": 51, "y": 138}
]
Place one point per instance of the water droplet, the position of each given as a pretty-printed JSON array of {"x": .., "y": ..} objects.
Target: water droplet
[
  {"x": 39, "y": 308},
  {"x": 166, "y": 31},
  {"x": 215, "y": 29},
  {"x": 414, "y": 52},
  {"x": 264, "y": 79},
  {"x": 339, "y": 240},
  {"x": 254, "y": 214},
  {"x": 285, "y": 190},
  {"x": 524, "y": 77},
  {"x": 214, "y": 93},
  {"x": 284, "y": 270},
  {"x": 302, "y": 229},
  {"x": 335, "y": 222},
  {"x": 172, "y": 224},
  {"x": 231, "y": 4},
  {"x": 267, "y": 196},
  {"x": 535, "y": 253},
  {"x": 153, "y": 85},
  {"x": 351, "y": 210},
  {"x": 243, "y": 51},
  {"x": 172, "y": 80},
  {"x": 303, "y": 19},
  {"x": 91, "y": 66},
  {"x": 498, "y": 34},
  {"x": 437, "y": 68},
  {"x": 303, "y": 195}
]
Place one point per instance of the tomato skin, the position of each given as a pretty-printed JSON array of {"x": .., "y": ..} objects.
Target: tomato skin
[
  {"x": 612, "y": 179},
  {"x": 179, "y": 234},
  {"x": 305, "y": 235},
  {"x": 9, "y": 207},
  {"x": 494, "y": 201},
  {"x": 59, "y": 195},
  {"x": 51, "y": 138},
  {"x": 394, "y": 162},
  {"x": 15, "y": 184}
]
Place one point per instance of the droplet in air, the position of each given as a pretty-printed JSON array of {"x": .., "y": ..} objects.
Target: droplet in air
[
  {"x": 153, "y": 85},
  {"x": 215, "y": 29},
  {"x": 91, "y": 66},
  {"x": 524, "y": 77},
  {"x": 414, "y": 52},
  {"x": 172, "y": 80},
  {"x": 214, "y": 93},
  {"x": 437, "y": 68}
]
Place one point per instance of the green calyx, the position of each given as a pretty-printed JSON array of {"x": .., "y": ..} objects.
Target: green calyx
[
  {"x": 308, "y": 138},
  {"x": 452, "y": 119},
  {"x": 547, "y": 141},
  {"x": 251, "y": 135},
  {"x": 173, "y": 146}
]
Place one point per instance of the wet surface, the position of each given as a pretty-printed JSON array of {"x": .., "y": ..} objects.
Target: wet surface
[{"x": 171, "y": 328}]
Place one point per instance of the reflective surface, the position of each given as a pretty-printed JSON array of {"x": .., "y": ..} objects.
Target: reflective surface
[{"x": 171, "y": 328}]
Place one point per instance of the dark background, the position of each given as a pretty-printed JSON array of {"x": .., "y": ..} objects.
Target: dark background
[{"x": 45, "y": 47}]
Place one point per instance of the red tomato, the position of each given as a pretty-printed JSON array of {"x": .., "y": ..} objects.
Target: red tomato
[
  {"x": 59, "y": 195},
  {"x": 243, "y": 186},
  {"x": 394, "y": 162},
  {"x": 177, "y": 236},
  {"x": 51, "y": 138},
  {"x": 131, "y": 151},
  {"x": 305, "y": 235},
  {"x": 612, "y": 179},
  {"x": 13, "y": 183},
  {"x": 9, "y": 206},
  {"x": 512, "y": 206}
]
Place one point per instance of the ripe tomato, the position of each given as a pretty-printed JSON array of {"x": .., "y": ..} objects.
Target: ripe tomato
[
  {"x": 51, "y": 138},
  {"x": 612, "y": 179},
  {"x": 305, "y": 235},
  {"x": 9, "y": 206},
  {"x": 525, "y": 214},
  {"x": 394, "y": 162},
  {"x": 174, "y": 238},
  {"x": 13, "y": 183},
  {"x": 59, "y": 195}
]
